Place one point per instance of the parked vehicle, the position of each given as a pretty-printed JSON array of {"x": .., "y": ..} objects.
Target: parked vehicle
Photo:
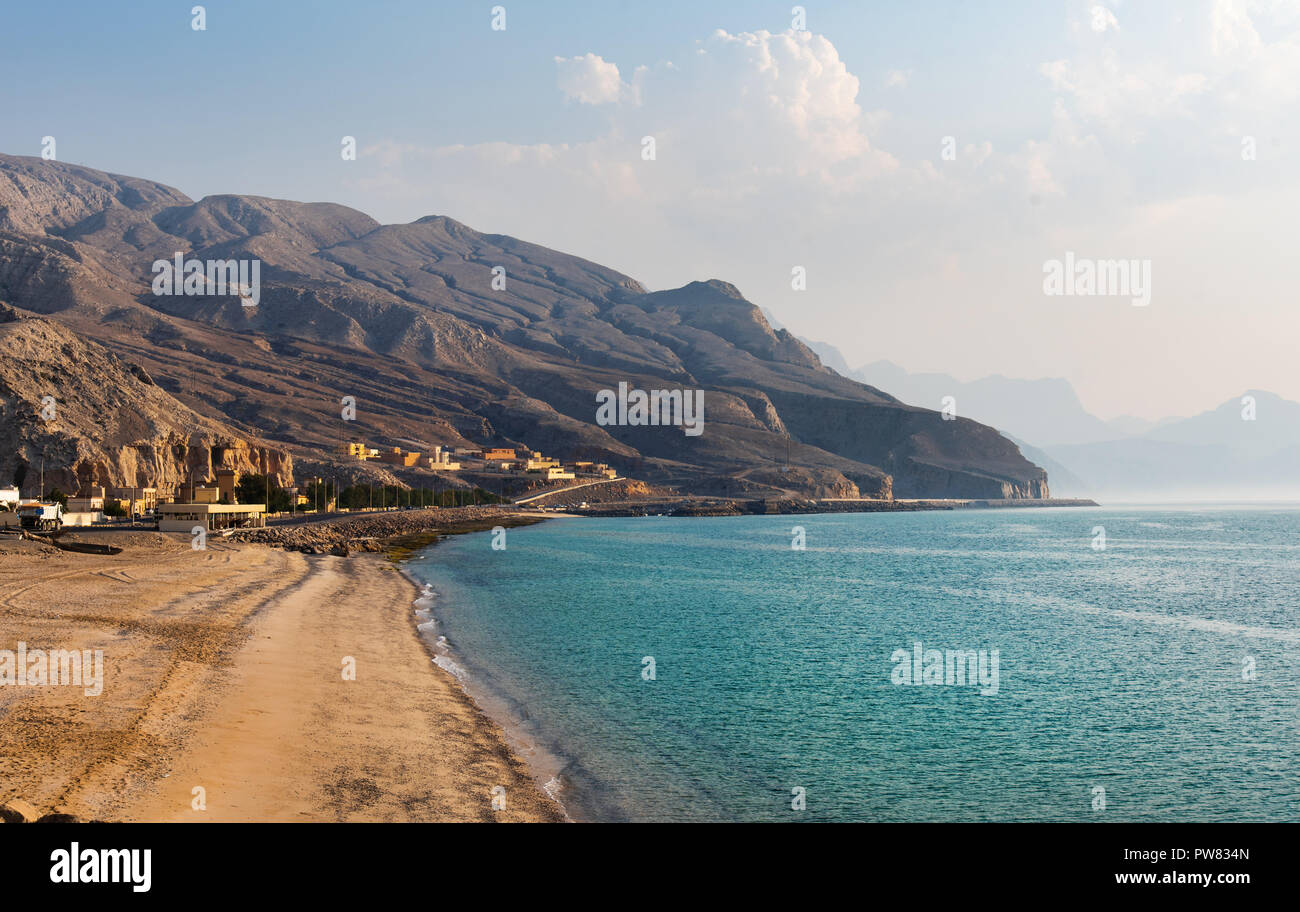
[{"x": 41, "y": 517}]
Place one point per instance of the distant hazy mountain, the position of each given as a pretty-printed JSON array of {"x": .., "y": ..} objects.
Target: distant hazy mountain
[
  {"x": 1041, "y": 411},
  {"x": 1065, "y": 483},
  {"x": 1216, "y": 455}
]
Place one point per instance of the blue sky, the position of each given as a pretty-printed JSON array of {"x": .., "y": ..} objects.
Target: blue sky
[{"x": 1109, "y": 131}]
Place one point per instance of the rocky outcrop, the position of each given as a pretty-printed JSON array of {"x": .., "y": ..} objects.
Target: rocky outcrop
[{"x": 86, "y": 416}]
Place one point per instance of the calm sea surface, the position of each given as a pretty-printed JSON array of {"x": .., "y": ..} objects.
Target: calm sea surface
[{"x": 1163, "y": 669}]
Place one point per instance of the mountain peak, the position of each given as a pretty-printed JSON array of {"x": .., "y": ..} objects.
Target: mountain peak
[{"x": 716, "y": 285}]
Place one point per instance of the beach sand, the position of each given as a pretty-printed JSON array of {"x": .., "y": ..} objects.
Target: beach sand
[{"x": 223, "y": 670}]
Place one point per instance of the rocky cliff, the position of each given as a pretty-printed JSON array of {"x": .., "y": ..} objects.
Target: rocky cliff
[{"x": 87, "y": 416}]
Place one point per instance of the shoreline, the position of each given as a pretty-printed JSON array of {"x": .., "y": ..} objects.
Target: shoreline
[
  {"x": 544, "y": 766},
  {"x": 223, "y": 672}
]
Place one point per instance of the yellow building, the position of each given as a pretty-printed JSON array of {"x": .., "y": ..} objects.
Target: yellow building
[
  {"x": 137, "y": 500},
  {"x": 208, "y": 494},
  {"x": 396, "y": 457},
  {"x": 358, "y": 450},
  {"x": 226, "y": 481}
]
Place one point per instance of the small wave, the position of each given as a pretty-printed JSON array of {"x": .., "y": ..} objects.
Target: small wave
[
  {"x": 552, "y": 787},
  {"x": 447, "y": 665}
]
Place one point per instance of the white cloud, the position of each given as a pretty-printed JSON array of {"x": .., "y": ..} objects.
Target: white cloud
[
  {"x": 897, "y": 79},
  {"x": 589, "y": 79},
  {"x": 1102, "y": 19}
]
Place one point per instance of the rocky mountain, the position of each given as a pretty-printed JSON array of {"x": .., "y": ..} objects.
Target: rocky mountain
[
  {"x": 442, "y": 334},
  {"x": 77, "y": 413}
]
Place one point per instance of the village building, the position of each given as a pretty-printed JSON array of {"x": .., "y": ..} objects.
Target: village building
[
  {"x": 396, "y": 457},
  {"x": 358, "y": 450},
  {"x": 210, "y": 516},
  {"x": 441, "y": 461},
  {"x": 89, "y": 500},
  {"x": 137, "y": 501}
]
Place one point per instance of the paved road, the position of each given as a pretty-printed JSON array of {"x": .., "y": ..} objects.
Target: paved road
[{"x": 585, "y": 484}]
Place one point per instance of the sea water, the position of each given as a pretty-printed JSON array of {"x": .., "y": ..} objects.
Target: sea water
[{"x": 1148, "y": 662}]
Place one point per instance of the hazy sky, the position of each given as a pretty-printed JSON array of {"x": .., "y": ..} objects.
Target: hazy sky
[{"x": 1153, "y": 131}]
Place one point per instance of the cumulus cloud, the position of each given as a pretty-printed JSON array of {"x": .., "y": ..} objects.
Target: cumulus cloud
[
  {"x": 589, "y": 79},
  {"x": 765, "y": 159},
  {"x": 740, "y": 115}
]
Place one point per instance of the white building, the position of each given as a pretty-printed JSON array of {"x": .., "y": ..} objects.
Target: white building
[
  {"x": 183, "y": 517},
  {"x": 82, "y": 518},
  {"x": 10, "y": 496}
]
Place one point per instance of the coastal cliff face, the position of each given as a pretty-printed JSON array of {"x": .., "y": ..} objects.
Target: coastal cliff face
[
  {"x": 89, "y": 417},
  {"x": 409, "y": 321}
]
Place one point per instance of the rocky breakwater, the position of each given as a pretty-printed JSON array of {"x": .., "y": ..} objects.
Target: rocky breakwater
[{"x": 377, "y": 532}]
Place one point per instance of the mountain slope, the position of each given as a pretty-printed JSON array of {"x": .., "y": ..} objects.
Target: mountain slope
[{"x": 412, "y": 321}]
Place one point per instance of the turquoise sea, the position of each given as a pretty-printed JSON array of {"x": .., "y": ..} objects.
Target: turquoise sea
[{"x": 1157, "y": 678}]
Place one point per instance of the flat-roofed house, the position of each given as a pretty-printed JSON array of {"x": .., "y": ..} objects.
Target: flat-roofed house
[
  {"x": 183, "y": 517},
  {"x": 139, "y": 500},
  {"x": 499, "y": 454},
  {"x": 396, "y": 457},
  {"x": 441, "y": 460},
  {"x": 206, "y": 494},
  {"x": 85, "y": 505}
]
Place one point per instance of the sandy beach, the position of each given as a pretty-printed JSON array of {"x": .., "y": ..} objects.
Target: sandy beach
[{"x": 224, "y": 671}]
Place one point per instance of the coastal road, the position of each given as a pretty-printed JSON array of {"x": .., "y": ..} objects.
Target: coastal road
[{"x": 586, "y": 484}]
